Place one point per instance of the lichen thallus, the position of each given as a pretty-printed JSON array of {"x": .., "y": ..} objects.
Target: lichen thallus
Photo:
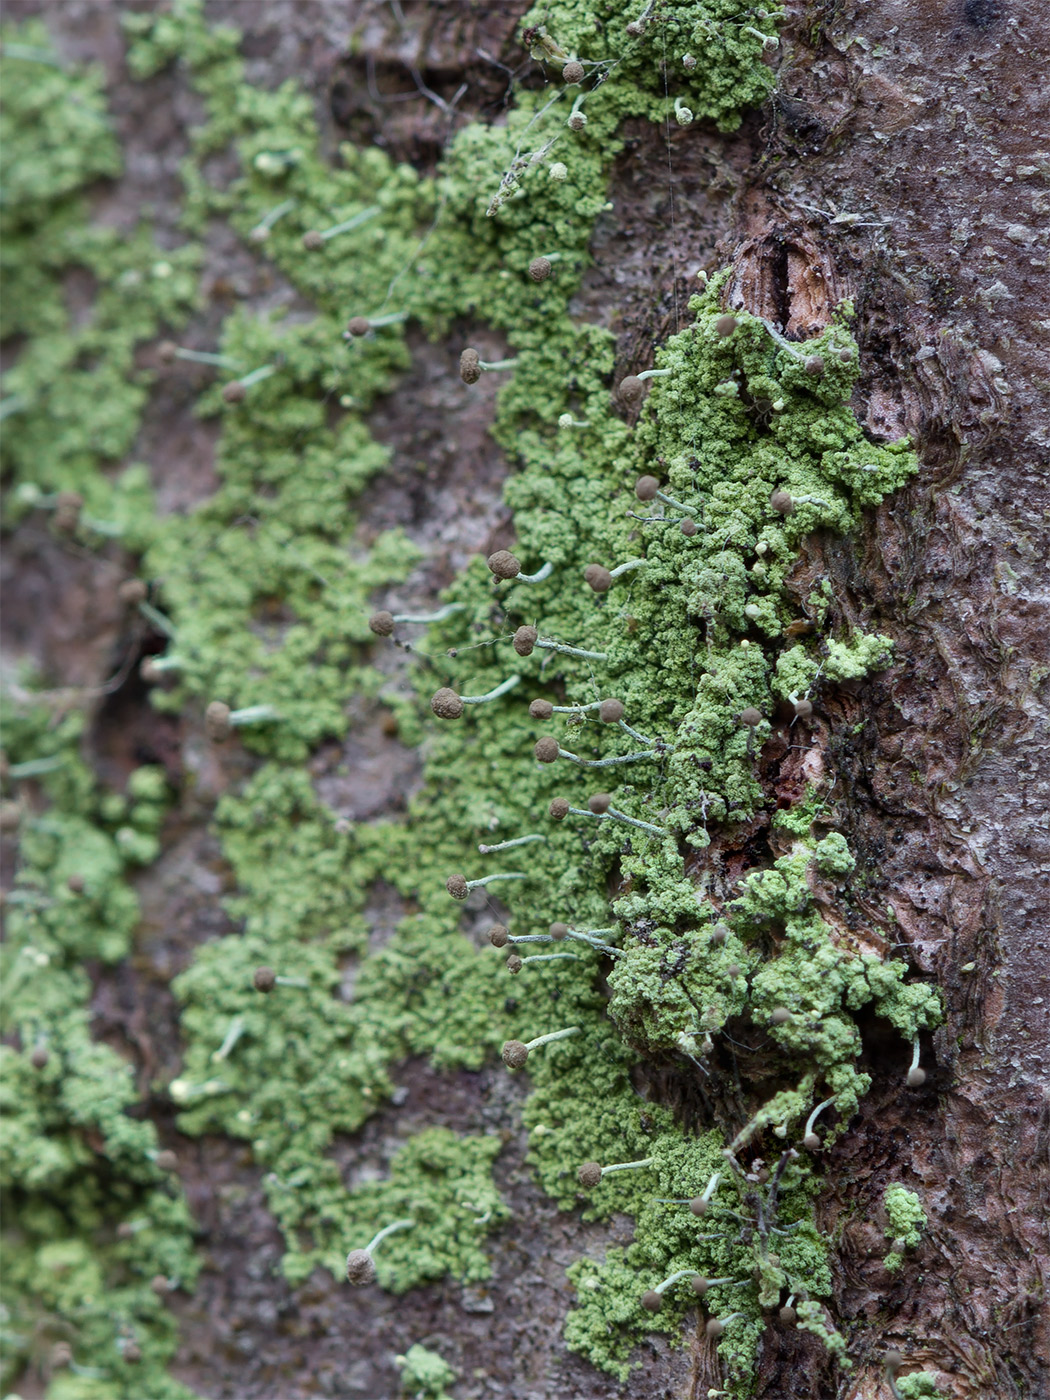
[{"x": 760, "y": 1218}]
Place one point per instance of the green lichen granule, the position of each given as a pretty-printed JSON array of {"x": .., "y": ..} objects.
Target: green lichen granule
[
  {"x": 424, "y": 1374},
  {"x": 906, "y": 1218},
  {"x": 920, "y": 1385}
]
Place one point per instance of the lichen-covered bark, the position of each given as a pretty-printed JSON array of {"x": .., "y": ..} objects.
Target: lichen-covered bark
[
  {"x": 928, "y": 126},
  {"x": 902, "y": 163}
]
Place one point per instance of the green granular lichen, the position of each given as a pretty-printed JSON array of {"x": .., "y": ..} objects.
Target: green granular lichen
[
  {"x": 75, "y": 395},
  {"x": 907, "y": 1220},
  {"x": 267, "y": 586},
  {"x": 920, "y": 1385},
  {"x": 424, "y": 1374},
  {"x": 798, "y": 669},
  {"x": 269, "y": 594},
  {"x": 90, "y": 1218},
  {"x": 832, "y": 855},
  {"x": 443, "y": 1183},
  {"x": 668, "y": 1238},
  {"x": 55, "y": 140},
  {"x": 725, "y": 39},
  {"x": 813, "y": 1317}
]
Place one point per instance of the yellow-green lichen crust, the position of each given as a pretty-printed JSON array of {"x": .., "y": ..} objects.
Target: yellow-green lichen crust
[
  {"x": 268, "y": 585},
  {"x": 906, "y": 1220}
]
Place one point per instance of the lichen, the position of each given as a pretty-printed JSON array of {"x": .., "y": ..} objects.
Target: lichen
[
  {"x": 920, "y": 1385},
  {"x": 266, "y": 587},
  {"x": 605, "y": 1326},
  {"x": 91, "y": 1217},
  {"x": 906, "y": 1221},
  {"x": 75, "y": 395},
  {"x": 444, "y": 1184},
  {"x": 813, "y": 1317},
  {"x": 424, "y": 1374},
  {"x": 725, "y": 40},
  {"x": 55, "y": 139}
]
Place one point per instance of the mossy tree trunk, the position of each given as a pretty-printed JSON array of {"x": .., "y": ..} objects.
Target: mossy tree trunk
[{"x": 902, "y": 163}]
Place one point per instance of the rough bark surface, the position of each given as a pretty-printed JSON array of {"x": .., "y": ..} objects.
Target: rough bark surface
[{"x": 905, "y": 162}]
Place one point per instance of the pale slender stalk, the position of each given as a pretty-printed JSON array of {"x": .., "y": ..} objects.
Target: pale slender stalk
[
  {"x": 35, "y": 767},
  {"x": 813, "y": 1116},
  {"x": 630, "y": 1166},
  {"x": 205, "y": 357},
  {"x": 631, "y": 563},
  {"x": 611, "y": 814},
  {"x": 253, "y": 714},
  {"x": 232, "y": 1036},
  {"x": 494, "y": 694},
  {"x": 634, "y": 733},
  {"x": 602, "y": 762},
  {"x": 549, "y": 1039},
  {"x": 388, "y": 1230},
  {"x": 548, "y": 645},
  {"x": 158, "y": 620},
  {"x": 550, "y": 957},
  {"x": 266, "y": 223},
  {"x": 548, "y": 568},
  {"x": 490, "y": 879},
  {"x": 263, "y": 372},
  {"x": 447, "y": 611},
  {"x": 355, "y": 222},
  {"x": 506, "y": 845}
]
